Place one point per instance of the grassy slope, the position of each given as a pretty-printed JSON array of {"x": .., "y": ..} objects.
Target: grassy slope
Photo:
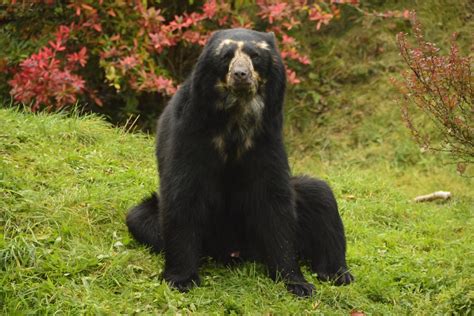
[{"x": 65, "y": 185}]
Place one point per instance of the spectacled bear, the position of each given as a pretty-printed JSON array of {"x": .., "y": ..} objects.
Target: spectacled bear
[{"x": 225, "y": 185}]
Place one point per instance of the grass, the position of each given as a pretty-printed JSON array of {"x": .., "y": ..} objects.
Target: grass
[{"x": 66, "y": 183}]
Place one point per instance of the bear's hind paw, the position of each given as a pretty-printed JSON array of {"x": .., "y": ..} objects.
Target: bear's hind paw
[
  {"x": 301, "y": 289},
  {"x": 182, "y": 284},
  {"x": 342, "y": 277}
]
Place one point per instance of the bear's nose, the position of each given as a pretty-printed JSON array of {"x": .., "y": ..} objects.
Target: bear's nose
[{"x": 240, "y": 74}]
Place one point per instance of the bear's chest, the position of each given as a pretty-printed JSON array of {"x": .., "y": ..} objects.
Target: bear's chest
[{"x": 242, "y": 124}]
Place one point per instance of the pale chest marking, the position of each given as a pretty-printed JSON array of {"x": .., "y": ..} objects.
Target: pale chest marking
[{"x": 239, "y": 132}]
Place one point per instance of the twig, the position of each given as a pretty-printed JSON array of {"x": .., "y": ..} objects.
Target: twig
[{"x": 439, "y": 195}]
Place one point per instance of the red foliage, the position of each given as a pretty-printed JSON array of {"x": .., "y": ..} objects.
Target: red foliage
[
  {"x": 48, "y": 78},
  {"x": 273, "y": 11},
  {"x": 136, "y": 48}
]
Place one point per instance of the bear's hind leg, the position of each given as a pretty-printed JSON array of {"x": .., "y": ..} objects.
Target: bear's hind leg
[
  {"x": 320, "y": 230},
  {"x": 143, "y": 223}
]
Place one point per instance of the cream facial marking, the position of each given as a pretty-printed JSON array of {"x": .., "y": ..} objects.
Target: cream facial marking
[
  {"x": 225, "y": 42},
  {"x": 261, "y": 45},
  {"x": 242, "y": 59}
]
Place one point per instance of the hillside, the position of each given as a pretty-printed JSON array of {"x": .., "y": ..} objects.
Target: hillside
[{"x": 66, "y": 183}]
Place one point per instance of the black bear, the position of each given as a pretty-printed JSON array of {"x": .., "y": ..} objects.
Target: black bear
[{"x": 225, "y": 185}]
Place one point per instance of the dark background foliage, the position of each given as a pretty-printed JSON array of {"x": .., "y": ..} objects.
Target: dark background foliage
[
  {"x": 124, "y": 59},
  {"x": 137, "y": 54}
]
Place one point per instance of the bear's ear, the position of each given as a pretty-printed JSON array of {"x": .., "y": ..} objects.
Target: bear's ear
[{"x": 271, "y": 38}]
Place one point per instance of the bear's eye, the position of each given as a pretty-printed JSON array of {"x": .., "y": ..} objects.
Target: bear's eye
[
  {"x": 255, "y": 56},
  {"x": 228, "y": 55}
]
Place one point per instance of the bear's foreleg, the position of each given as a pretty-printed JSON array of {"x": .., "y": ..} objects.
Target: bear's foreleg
[
  {"x": 273, "y": 224},
  {"x": 265, "y": 196},
  {"x": 188, "y": 197}
]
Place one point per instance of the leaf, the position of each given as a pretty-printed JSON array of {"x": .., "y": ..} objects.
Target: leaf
[{"x": 87, "y": 7}]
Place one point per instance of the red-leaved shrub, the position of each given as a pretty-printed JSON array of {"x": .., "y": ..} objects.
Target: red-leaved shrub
[
  {"x": 440, "y": 87},
  {"x": 148, "y": 47},
  {"x": 48, "y": 77}
]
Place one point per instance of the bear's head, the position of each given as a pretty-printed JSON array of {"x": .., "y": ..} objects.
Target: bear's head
[{"x": 239, "y": 65}]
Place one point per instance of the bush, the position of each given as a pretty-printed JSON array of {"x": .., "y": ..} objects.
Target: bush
[
  {"x": 132, "y": 54},
  {"x": 440, "y": 88}
]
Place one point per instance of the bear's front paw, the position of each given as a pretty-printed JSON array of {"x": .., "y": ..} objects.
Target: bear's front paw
[
  {"x": 182, "y": 284},
  {"x": 301, "y": 289}
]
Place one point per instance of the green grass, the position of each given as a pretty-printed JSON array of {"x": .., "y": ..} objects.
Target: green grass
[{"x": 66, "y": 183}]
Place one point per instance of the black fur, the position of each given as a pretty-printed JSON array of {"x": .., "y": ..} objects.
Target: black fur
[
  {"x": 225, "y": 184},
  {"x": 321, "y": 239}
]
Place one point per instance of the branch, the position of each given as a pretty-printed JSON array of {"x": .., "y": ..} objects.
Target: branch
[{"x": 439, "y": 195}]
